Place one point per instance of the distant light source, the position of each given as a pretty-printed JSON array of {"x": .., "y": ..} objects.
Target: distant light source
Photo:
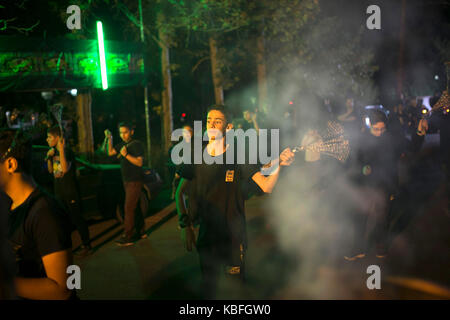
[
  {"x": 436, "y": 77},
  {"x": 47, "y": 95},
  {"x": 101, "y": 51},
  {"x": 73, "y": 92},
  {"x": 183, "y": 114}
]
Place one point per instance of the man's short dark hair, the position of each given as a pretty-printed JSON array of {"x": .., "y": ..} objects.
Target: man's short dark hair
[
  {"x": 14, "y": 143},
  {"x": 126, "y": 124},
  {"x": 376, "y": 116},
  {"x": 221, "y": 108},
  {"x": 55, "y": 131}
]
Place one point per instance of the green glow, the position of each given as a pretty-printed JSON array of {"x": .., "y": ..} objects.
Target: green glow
[{"x": 101, "y": 50}]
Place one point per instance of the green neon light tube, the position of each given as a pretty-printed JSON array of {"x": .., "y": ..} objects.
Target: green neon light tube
[{"x": 101, "y": 51}]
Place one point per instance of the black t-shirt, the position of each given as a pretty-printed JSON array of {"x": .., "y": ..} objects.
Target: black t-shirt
[
  {"x": 7, "y": 266},
  {"x": 36, "y": 228},
  {"x": 130, "y": 172},
  {"x": 65, "y": 184},
  {"x": 218, "y": 196}
]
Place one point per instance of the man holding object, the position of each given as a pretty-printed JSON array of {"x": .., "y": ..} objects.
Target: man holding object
[{"x": 131, "y": 155}]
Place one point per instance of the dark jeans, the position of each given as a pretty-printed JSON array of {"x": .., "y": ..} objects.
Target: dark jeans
[
  {"x": 133, "y": 218},
  {"x": 212, "y": 265},
  {"x": 370, "y": 221},
  {"x": 72, "y": 203}
]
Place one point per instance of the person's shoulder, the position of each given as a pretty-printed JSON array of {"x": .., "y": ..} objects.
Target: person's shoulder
[
  {"x": 139, "y": 143},
  {"x": 136, "y": 146},
  {"x": 135, "y": 143},
  {"x": 43, "y": 206}
]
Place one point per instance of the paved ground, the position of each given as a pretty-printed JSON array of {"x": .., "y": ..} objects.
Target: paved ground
[{"x": 159, "y": 268}]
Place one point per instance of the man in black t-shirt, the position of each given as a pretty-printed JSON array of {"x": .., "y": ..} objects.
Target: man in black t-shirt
[
  {"x": 61, "y": 163},
  {"x": 217, "y": 198},
  {"x": 131, "y": 154},
  {"x": 37, "y": 226}
]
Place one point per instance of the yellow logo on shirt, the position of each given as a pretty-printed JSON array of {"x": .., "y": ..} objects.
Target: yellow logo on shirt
[{"x": 229, "y": 177}]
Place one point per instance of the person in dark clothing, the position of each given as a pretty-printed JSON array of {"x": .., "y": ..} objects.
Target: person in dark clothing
[
  {"x": 37, "y": 226},
  {"x": 131, "y": 155},
  {"x": 249, "y": 120},
  {"x": 188, "y": 132},
  {"x": 375, "y": 172},
  {"x": 61, "y": 164},
  {"x": 218, "y": 198},
  {"x": 440, "y": 119},
  {"x": 7, "y": 266}
]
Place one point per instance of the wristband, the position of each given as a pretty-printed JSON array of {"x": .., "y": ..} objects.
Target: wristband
[{"x": 420, "y": 133}]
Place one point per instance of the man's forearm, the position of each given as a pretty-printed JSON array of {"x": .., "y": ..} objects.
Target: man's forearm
[
  {"x": 50, "y": 166},
  {"x": 267, "y": 183},
  {"x": 40, "y": 289},
  {"x": 255, "y": 124},
  {"x": 183, "y": 217},
  {"x": 137, "y": 161},
  {"x": 63, "y": 161},
  {"x": 110, "y": 148}
]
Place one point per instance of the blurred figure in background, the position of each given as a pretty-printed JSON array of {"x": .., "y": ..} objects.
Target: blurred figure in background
[
  {"x": 61, "y": 164},
  {"x": 249, "y": 120},
  {"x": 375, "y": 172},
  {"x": 188, "y": 133}
]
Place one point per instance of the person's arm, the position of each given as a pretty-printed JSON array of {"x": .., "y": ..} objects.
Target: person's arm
[
  {"x": 49, "y": 157},
  {"x": 54, "y": 287},
  {"x": 187, "y": 229},
  {"x": 418, "y": 138},
  {"x": 183, "y": 217},
  {"x": 110, "y": 151},
  {"x": 267, "y": 183},
  {"x": 65, "y": 165},
  {"x": 137, "y": 161},
  {"x": 255, "y": 122}
]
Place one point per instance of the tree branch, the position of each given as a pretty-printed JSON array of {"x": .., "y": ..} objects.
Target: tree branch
[
  {"x": 198, "y": 63},
  {"x": 26, "y": 30},
  {"x": 5, "y": 23}
]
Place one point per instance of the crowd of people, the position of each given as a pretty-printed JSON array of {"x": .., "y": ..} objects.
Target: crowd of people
[
  {"x": 39, "y": 224},
  {"x": 208, "y": 196}
]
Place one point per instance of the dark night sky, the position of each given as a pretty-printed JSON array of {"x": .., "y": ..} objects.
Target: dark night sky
[{"x": 426, "y": 20}]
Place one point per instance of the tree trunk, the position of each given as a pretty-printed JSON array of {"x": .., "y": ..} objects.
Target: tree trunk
[
  {"x": 216, "y": 74},
  {"x": 401, "y": 53},
  {"x": 84, "y": 122},
  {"x": 166, "y": 93},
  {"x": 262, "y": 78}
]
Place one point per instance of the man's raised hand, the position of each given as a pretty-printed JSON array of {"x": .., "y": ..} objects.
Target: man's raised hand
[
  {"x": 286, "y": 157},
  {"x": 123, "y": 151}
]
